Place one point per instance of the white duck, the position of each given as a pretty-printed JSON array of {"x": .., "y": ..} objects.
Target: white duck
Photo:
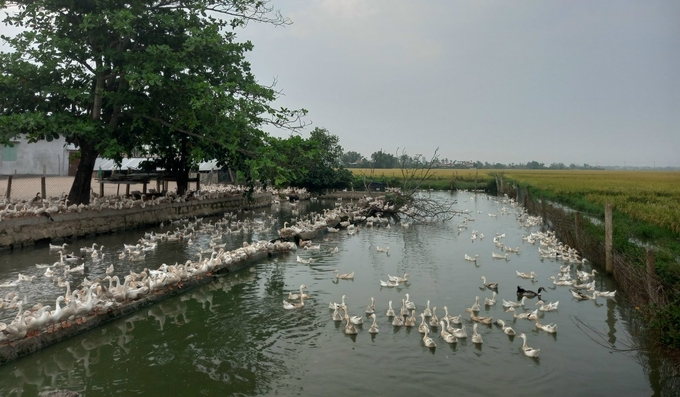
[
  {"x": 390, "y": 311},
  {"x": 450, "y": 318},
  {"x": 549, "y": 328},
  {"x": 427, "y": 311},
  {"x": 429, "y": 342},
  {"x": 409, "y": 304},
  {"x": 514, "y": 304},
  {"x": 447, "y": 336},
  {"x": 374, "y": 327},
  {"x": 525, "y": 275},
  {"x": 333, "y": 305},
  {"x": 528, "y": 351},
  {"x": 492, "y": 301},
  {"x": 370, "y": 309},
  {"x": 489, "y": 284},
  {"x": 507, "y": 329},
  {"x": 476, "y": 338},
  {"x": 290, "y": 306},
  {"x": 423, "y": 325},
  {"x": 547, "y": 307}
]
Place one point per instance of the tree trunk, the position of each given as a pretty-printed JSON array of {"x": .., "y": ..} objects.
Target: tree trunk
[{"x": 82, "y": 183}]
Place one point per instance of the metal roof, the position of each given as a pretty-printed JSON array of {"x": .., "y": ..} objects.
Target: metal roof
[{"x": 133, "y": 163}]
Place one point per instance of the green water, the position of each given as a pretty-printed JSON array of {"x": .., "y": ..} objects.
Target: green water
[{"x": 233, "y": 337}]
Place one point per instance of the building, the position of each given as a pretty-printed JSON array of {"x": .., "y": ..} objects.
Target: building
[{"x": 52, "y": 158}]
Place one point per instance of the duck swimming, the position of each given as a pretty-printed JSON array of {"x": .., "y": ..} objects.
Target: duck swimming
[{"x": 528, "y": 293}]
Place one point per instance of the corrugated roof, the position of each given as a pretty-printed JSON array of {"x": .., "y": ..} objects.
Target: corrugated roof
[{"x": 133, "y": 163}]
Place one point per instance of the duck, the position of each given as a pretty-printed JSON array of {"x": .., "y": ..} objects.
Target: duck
[
  {"x": 434, "y": 320},
  {"x": 410, "y": 321},
  {"x": 409, "y": 304},
  {"x": 389, "y": 283},
  {"x": 507, "y": 329},
  {"x": 476, "y": 338},
  {"x": 528, "y": 351},
  {"x": 399, "y": 279},
  {"x": 398, "y": 321},
  {"x": 427, "y": 311},
  {"x": 489, "y": 285},
  {"x": 344, "y": 276},
  {"x": 109, "y": 270},
  {"x": 492, "y": 301},
  {"x": 582, "y": 296},
  {"x": 533, "y": 315},
  {"x": 447, "y": 336},
  {"x": 453, "y": 319},
  {"x": 370, "y": 309},
  {"x": 460, "y": 333},
  {"x": 336, "y": 314},
  {"x": 514, "y": 304},
  {"x": 404, "y": 309},
  {"x": 515, "y": 315},
  {"x": 374, "y": 327},
  {"x": 471, "y": 258},
  {"x": 547, "y": 307},
  {"x": 549, "y": 328},
  {"x": 529, "y": 293},
  {"x": 479, "y": 319},
  {"x": 333, "y": 305},
  {"x": 350, "y": 329},
  {"x": 58, "y": 247},
  {"x": 429, "y": 342},
  {"x": 390, "y": 311},
  {"x": 423, "y": 325},
  {"x": 499, "y": 256},
  {"x": 608, "y": 294},
  {"x": 475, "y": 306},
  {"x": 293, "y": 296},
  {"x": 291, "y": 306},
  {"x": 356, "y": 320},
  {"x": 49, "y": 272},
  {"x": 306, "y": 261},
  {"x": 525, "y": 275},
  {"x": 561, "y": 282}
]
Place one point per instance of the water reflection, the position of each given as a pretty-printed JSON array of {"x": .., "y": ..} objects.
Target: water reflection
[{"x": 232, "y": 336}]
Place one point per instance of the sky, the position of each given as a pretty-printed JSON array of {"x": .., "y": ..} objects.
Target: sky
[{"x": 594, "y": 82}]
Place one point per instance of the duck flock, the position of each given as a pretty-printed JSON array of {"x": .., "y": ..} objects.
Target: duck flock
[
  {"x": 90, "y": 286},
  {"x": 101, "y": 290},
  {"x": 451, "y": 328}
]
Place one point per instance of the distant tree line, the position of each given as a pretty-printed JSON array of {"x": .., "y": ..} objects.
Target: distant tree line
[{"x": 381, "y": 159}]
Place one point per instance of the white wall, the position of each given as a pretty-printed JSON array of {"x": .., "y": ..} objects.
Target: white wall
[{"x": 32, "y": 156}]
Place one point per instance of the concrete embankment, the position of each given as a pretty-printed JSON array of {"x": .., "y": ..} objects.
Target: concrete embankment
[
  {"x": 28, "y": 229},
  {"x": 98, "y": 316}
]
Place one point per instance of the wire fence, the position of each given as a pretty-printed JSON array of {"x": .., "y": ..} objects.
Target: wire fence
[{"x": 635, "y": 275}]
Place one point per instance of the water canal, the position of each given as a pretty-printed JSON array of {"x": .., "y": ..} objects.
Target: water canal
[{"x": 232, "y": 336}]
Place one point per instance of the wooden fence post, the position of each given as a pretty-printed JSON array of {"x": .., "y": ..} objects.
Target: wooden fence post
[
  {"x": 8, "y": 194},
  {"x": 43, "y": 185},
  {"x": 608, "y": 238},
  {"x": 651, "y": 272}
]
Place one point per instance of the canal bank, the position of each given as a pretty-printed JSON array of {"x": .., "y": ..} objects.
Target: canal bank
[{"x": 29, "y": 229}]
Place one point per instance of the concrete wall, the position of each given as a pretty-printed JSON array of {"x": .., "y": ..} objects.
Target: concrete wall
[
  {"x": 28, "y": 230},
  {"x": 32, "y": 156}
]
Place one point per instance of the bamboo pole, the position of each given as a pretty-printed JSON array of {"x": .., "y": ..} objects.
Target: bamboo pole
[{"x": 608, "y": 237}]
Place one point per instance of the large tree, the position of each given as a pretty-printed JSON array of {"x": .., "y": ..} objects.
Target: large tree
[
  {"x": 113, "y": 76},
  {"x": 313, "y": 163}
]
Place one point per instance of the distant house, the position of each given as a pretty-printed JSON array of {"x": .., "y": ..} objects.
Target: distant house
[{"x": 23, "y": 158}]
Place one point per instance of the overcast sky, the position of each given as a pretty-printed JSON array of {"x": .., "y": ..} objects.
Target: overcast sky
[{"x": 594, "y": 82}]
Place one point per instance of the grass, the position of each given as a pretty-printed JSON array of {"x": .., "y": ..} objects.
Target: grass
[{"x": 438, "y": 179}]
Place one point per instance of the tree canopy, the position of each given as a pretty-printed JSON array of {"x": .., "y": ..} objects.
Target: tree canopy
[{"x": 166, "y": 77}]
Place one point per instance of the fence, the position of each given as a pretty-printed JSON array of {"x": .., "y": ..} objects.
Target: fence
[
  {"x": 17, "y": 188},
  {"x": 635, "y": 275}
]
